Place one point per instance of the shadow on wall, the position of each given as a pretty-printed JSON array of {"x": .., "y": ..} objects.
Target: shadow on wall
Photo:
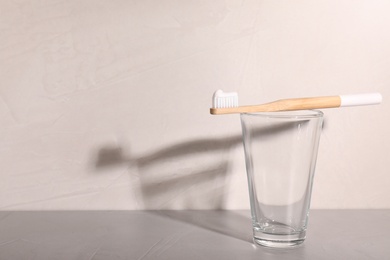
[{"x": 187, "y": 175}]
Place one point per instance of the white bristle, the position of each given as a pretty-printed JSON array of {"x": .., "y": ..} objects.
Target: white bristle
[{"x": 225, "y": 99}]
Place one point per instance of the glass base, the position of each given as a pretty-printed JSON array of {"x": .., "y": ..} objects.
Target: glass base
[{"x": 278, "y": 240}]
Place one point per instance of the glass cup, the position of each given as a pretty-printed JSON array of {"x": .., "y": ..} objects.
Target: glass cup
[{"x": 280, "y": 156}]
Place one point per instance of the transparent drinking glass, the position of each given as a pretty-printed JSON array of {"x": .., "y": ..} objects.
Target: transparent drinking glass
[{"x": 280, "y": 156}]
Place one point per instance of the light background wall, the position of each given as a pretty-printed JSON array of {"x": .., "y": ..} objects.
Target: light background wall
[{"x": 104, "y": 103}]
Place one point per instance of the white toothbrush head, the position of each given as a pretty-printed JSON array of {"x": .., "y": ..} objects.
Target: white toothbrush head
[{"x": 225, "y": 99}]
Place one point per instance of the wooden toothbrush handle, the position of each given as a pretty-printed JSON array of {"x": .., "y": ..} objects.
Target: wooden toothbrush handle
[{"x": 304, "y": 103}]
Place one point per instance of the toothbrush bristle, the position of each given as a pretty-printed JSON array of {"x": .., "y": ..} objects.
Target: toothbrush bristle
[{"x": 225, "y": 99}]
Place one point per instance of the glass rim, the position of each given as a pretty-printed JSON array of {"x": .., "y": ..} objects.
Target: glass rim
[{"x": 287, "y": 114}]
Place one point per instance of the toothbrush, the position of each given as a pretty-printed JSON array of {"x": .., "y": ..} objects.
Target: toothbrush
[{"x": 227, "y": 103}]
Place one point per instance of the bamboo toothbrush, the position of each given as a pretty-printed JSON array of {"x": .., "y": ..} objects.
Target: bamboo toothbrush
[{"x": 227, "y": 103}]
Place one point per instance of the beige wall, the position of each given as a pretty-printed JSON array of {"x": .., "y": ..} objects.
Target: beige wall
[{"x": 104, "y": 104}]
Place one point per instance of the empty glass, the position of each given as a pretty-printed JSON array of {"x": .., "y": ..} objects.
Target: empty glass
[{"x": 280, "y": 155}]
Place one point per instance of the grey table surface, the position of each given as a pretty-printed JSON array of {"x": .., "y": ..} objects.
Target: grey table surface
[{"x": 332, "y": 234}]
